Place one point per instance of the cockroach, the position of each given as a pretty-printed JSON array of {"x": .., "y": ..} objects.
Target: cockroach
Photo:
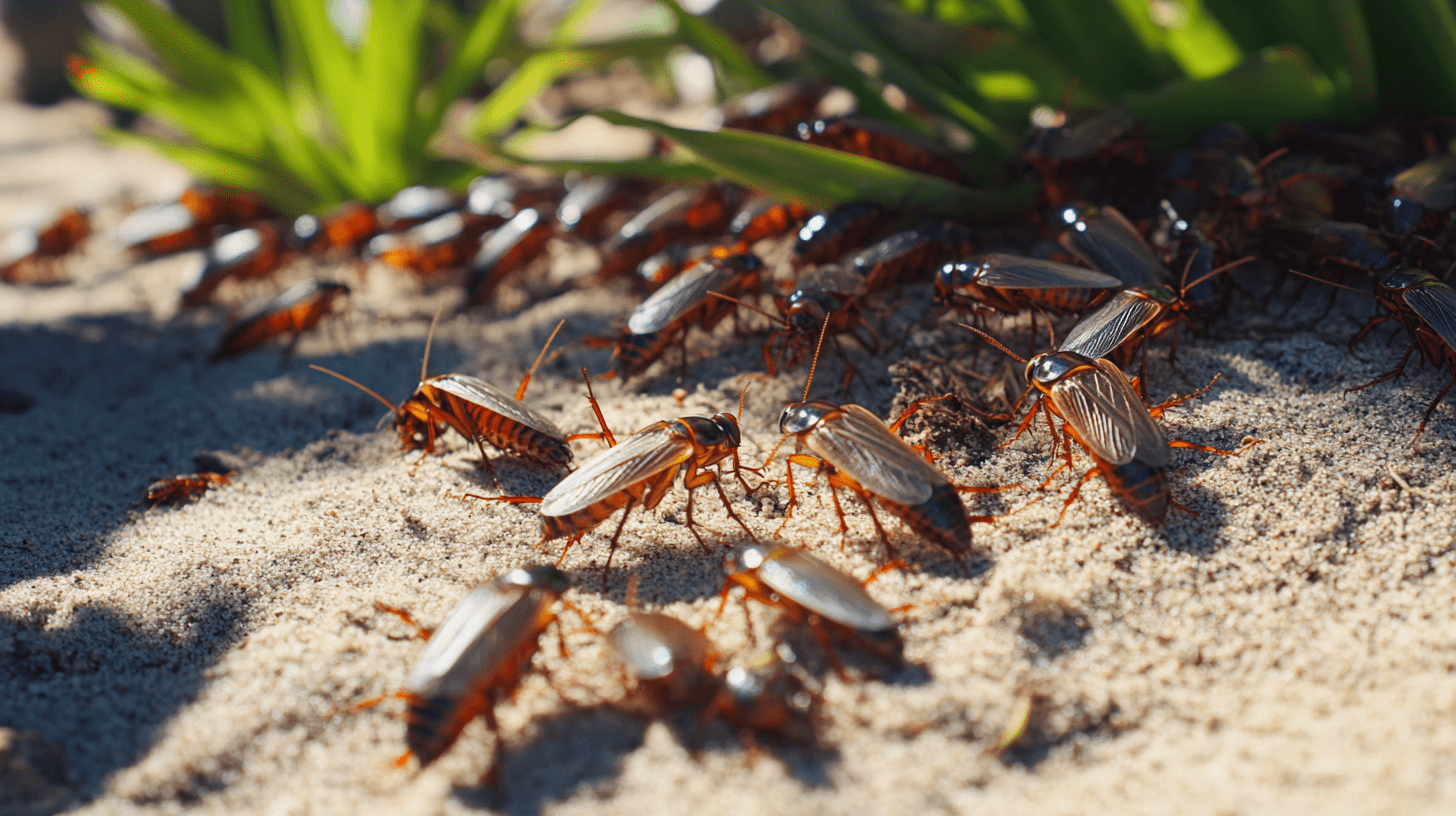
[
  {"x": 860, "y": 453},
  {"x": 414, "y": 205},
  {"x": 1010, "y": 283},
  {"x": 224, "y": 206},
  {"x": 296, "y": 310},
  {"x": 443, "y": 242},
  {"x": 829, "y": 298},
  {"x": 26, "y": 250},
  {"x": 1149, "y": 310},
  {"x": 769, "y": 694},
  {"x": 1081, "y": 136},
  {"x": 671, "y": 661},
  {"x": 776, "y": 109},
  {"x": 664, "y": 318},
  {"x": 1184, "y": 245},
  {"x": 1320, "y": 246},
  {"x": 478, "y": 411},
  {"x": 163, "y": 229},
  {"x": 671, "y": 261},
  {"x": 828, "y": 235},
  {"x": 1105, "y": 239},
  {"x": 639, "y": 471},
  {"x": 1419, "y": 195},
  {"x": 1426, "y": 307},
  {"x": 905, "y": 256},
  {"x": 591, "y": 201},
  {"x": 681, "y": 214},
  {"x": 477, "y": 657},
  {"x": 765, "y": 218},
  {"x": 832, "y": 604},
  {"x": 508, "y": 248},
  {"x": 251, "y": 252},
  {"x": 1103, "y": 413},
  {"x": 1061, "y": 144},
  {"x": 882, "y": 142},
  {"x": 179, "y": 489},
  {"x": 347, "y": 227}
]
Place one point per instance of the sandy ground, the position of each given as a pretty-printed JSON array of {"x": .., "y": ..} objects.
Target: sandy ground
[{"x": 1289, "y": 649}]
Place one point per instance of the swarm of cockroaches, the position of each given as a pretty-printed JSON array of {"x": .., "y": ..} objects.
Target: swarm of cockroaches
[{"x": 1119, "y": 247}]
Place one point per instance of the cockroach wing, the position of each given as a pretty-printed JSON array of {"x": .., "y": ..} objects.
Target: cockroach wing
[
  {"x": 1016, "y": 272},
  {"x": 1110, "y": 416},
  {"x": 641, "y": 455},
  {"x": 1110, "y": 242},
  {"x": 479, "y": 392},
  {"x": 654, "y": 646},
  {"x": 678, "y": 296},
  {"x": 856, "y": 442},
  {"x": 1436, "y": 304},
  {"x": 823, "y": 590},
  {"x": 1432, "y": 183},
  {"x": 1106, "y": 329},
  {"x": 484, "y": 630}
]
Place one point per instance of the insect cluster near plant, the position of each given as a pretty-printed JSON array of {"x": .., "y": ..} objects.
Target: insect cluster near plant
[{"x": 1121, "y": 252}]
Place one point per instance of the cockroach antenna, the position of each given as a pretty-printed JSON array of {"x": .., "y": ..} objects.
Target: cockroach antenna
[
  {"x": 993, "y": 341},
  {"x": 1205, "y": 276},
  {"x": 815, "y": 364},
  {"x": 429, "y": 339},
  {"x": 521, "y": 391}
]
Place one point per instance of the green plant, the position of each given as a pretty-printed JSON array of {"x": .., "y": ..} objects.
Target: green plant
[{"x": 1178, "y": 66}]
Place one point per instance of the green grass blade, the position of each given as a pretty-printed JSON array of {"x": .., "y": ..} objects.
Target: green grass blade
[
  {"x": 569, "y": 27},
  {"x": 316, "y": 48},
  {"x": 796, "y": 171},
  {"x": 708, "y": 40},
  {"x": 277, "y": 187},
  {"x": 193, "y": 59},
  {"x": 250, "y": 38},
  {"x": 481, "y": 44},
  {"x": 649, "y": 168},
  {"x": 1415, "y": 52},
  {"x": 386, "y": 88},
  {"x": 1276, "y": 86}
]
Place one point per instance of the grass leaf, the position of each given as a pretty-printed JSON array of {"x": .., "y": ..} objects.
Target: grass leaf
[{"x": 796, "y": 171}]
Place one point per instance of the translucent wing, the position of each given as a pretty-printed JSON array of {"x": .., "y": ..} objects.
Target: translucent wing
[
  {"x": 823, "y": 590},
  {"x": 1106, "y": 329},
  {"x": 479, "y": 392},
  {"x": 856, "y": 442},
  {"x": 1016, "y": 272},
  {"x": 678, "y": 296},
  {"x": 1109, "y": 416},
  {"x": 1436, "y": 304},
  {"x": 488, "y": 626},
  {"x": 645, "y": 453},
  {"x": 1108, "y": 241},
  {"x": 1431, "y": 182}
]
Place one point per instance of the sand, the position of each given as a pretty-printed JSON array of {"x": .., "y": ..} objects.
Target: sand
[{"x": 1290, "y": 648}]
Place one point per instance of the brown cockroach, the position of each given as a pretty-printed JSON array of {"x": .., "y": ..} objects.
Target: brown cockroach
[
  {"x": 248, "y": 253},
  {"x": 828, "y": 235},
  {"x": 478, "y": 411},
  {"x": 877, "y": 140},
  {"x": 663, "y": 319},
  {"x": 860, "y": 453},
  {"x": 687, "y": 213},
  {"x": 776, "y": 109},
  {"x": 766, "y": 218},
  {"x": 1426, "y": 307},
  {"x": 29, "y": 254},
  {"x": 1011, "y": 283},
  {"x": 1102, "y": 412},
  {"x": 295, "y": 311},
  {"x": 346, "y": 227},
  {"x": 639, "y": 471},
  {"x": 179, "y": 489},
  {"x": 476, "y": 658},
  {"x": 508, "y": 248}
]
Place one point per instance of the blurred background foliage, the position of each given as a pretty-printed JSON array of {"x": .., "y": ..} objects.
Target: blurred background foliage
[{"x": 311, "y": 102}]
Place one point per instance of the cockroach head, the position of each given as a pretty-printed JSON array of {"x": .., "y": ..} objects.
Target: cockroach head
[
  {"x": 729, "y": 425},
  {"x": 1044, "y": 370},
  {"x": 801, "y": 416}
]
